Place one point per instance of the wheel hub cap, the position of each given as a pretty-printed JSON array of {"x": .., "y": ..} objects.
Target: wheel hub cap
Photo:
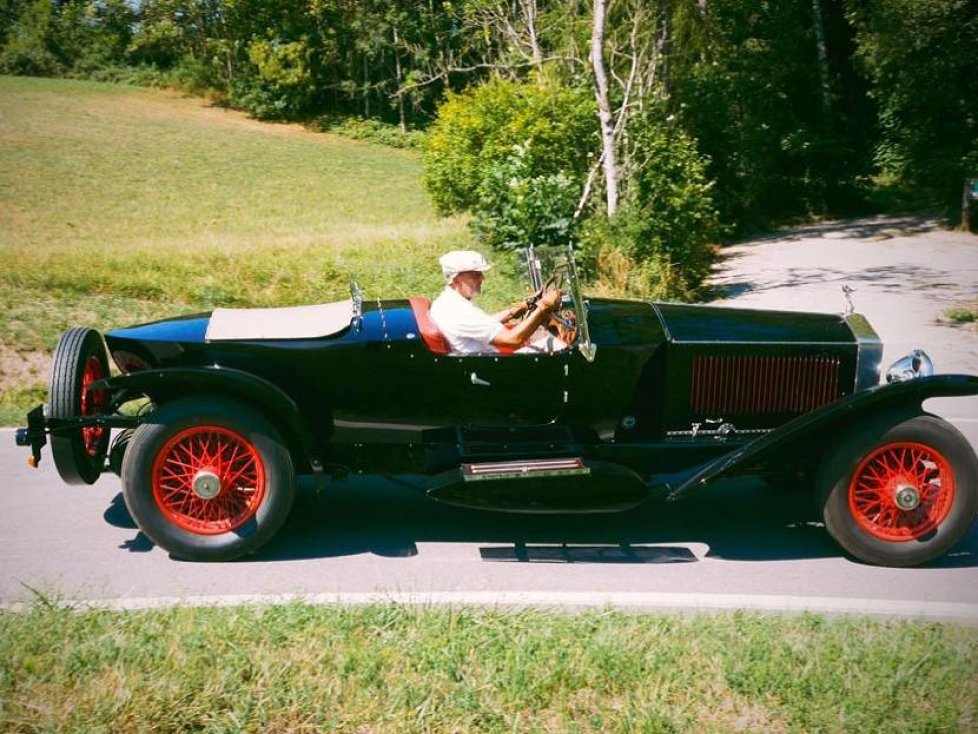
[
  {"x": 206, "y": 485},
  {"x": 907, "y": 497}
]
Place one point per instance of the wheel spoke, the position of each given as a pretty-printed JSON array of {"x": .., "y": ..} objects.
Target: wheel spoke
[
  {"x": 894, "y": 468},
  {"x": 199, "y": 452},
  {"x": 92, "y": 403}
]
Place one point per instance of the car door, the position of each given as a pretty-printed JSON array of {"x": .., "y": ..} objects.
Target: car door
[{"x": 508, "y": 390}]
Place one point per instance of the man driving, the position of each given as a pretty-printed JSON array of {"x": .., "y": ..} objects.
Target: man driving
[{"x": 470, "y": 330}]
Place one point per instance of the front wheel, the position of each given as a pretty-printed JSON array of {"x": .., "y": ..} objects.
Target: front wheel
[
  {"x": 900, "y": 491},
  {"x": 207, "y": 480}
]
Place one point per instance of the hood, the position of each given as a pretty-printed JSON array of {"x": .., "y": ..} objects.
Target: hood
[{"x": 712, "y": 324}]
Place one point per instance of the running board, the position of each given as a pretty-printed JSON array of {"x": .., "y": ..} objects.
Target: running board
[
  {"x": 540, "y": 486},
  {"x": 524, "y": 469}
]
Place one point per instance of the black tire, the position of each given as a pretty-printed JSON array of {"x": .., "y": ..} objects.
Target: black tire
[
  {"x": 164, "y": 482},
  {"x": 899, "y": 458},
  {"x": 79, "y": 359}
]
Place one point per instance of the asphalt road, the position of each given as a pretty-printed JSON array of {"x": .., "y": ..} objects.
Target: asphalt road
[{"x": 735, "y": 545}]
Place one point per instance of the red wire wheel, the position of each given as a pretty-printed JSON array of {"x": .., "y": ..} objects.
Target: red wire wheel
[
  {"x": 901, "y": 491},
  {"x": 208, "y": 480},
  {"x": 92, "y": 403}
]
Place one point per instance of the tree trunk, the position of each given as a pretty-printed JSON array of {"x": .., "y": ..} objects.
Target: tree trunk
[
  {"x": 610, "y": 162},
  {"x": 400, "y": 84},
  {"x": 366, "y": 88},
  {"x": 966, "y": 204},
  {"x": 530, "y": 15},
  {"x": 823, "y": 58},
  {"x": 665, "y": 53}
]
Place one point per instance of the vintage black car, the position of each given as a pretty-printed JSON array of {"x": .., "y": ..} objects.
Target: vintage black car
[{"x": 651, "y": 399}]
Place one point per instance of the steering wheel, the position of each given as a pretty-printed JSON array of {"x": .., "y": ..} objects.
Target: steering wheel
[{"x": 555, "y": 278}]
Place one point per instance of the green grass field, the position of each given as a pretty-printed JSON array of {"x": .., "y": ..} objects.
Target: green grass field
[
  {"x": 388, "y": 668},
  {"x": 120, "y": 205}
]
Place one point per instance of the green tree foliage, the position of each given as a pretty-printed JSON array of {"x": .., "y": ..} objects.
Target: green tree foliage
[
  {"x": 517, "y": 205},
  {"x": 921, "y": 57},
  {"x": 667, "y": 226},
  {"x": 746, "y": 81},
  {"x": 280, "y": 83},
  {"x": 26, "y": 46},
  {"x": 479, "y": 129},
  {"x": 509, "y": 153},
  {"x": 73, "y": 37}
]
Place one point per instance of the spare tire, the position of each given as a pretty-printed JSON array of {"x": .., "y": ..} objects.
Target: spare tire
[{"x": 80, "y": 360}]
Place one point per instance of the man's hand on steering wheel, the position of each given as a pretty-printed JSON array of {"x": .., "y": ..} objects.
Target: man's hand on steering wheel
[
  {"x": 550, "y": 299},
  {"x": 553, "y": 281}
]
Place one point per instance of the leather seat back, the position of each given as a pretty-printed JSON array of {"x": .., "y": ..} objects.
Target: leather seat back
[{"x": 433, "y": 338}]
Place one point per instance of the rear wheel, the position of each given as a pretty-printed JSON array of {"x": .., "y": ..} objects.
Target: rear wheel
[
  {"x": 207, "y": 480},
  {"x": 79, "y": 361},
  {"x": 900, "y": 492}
]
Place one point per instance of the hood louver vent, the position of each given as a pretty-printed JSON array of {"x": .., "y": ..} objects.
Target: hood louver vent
[{"x": 735, "y": 385}]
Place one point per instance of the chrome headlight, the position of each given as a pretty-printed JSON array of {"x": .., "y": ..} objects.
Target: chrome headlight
[{"x": 914, "y": 365}]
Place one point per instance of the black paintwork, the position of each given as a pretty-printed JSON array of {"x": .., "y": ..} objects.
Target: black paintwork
[{"x": 375, "y": 398}]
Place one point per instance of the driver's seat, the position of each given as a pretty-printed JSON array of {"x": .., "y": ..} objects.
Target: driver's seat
[{"x": 430, "y": 334}]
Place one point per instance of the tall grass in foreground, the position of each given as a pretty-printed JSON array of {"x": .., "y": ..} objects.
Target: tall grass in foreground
[{"x": 375, "y": 669}]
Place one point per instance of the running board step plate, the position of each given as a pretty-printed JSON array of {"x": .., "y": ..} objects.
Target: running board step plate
[{"x": 525, "y": 469}]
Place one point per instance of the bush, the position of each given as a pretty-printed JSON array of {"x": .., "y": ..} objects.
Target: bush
[
  {"x": 660, "y": 244},
  {"x": 25, "y": 57},
  {"x": 475, "y": 131},
  {"x": 517, "y": 206},
  {"x": 376, "y": 131}
]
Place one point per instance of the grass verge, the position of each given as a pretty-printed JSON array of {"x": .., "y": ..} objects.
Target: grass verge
[
  {"x": 963, "y": 315},
  {"x": 15, "y": 402},
  {"x": 388, "y": 668}
]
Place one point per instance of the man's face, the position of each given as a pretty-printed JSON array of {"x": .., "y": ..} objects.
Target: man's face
[{"x": 469, "y": 283}]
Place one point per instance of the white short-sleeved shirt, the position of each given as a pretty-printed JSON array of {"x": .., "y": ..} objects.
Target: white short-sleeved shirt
[{"x": 467, "y": 328}]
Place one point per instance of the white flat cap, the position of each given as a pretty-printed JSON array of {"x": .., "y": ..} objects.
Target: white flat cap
[{"x": 462, "y": 261}]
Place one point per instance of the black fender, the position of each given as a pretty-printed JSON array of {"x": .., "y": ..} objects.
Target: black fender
[
  {"x": 169, "y": 383},
  {"x": 899, "y": 396}
]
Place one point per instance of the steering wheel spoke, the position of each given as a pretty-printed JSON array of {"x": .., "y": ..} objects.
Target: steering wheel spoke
[{"x": 555, "y": 280}]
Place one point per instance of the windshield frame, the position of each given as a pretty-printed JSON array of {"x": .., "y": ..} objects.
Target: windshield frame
[{"x": 539, "y": 264}]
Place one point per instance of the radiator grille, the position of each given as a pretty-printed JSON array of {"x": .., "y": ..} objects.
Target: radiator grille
[{"x": 730, "y": 385}]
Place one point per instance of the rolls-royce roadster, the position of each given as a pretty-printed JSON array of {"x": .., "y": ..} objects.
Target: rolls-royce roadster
[{"x": 209, "y": 418}]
